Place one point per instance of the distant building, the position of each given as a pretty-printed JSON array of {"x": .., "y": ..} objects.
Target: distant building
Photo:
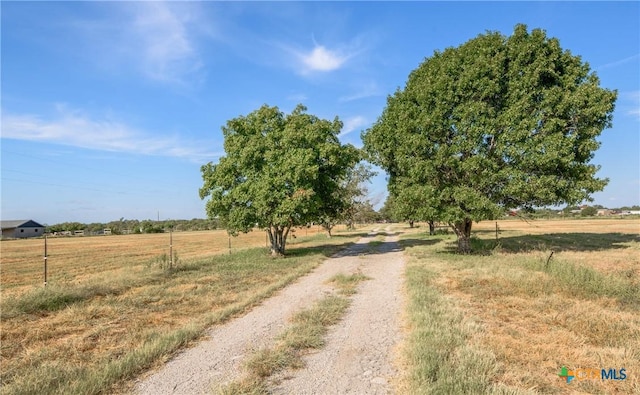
[
  {"x": 630, "y": 212},
  {"x": 20, "y": 229}
]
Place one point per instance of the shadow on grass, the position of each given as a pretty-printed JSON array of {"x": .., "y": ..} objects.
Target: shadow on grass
[
  {"x": 561, "y": 242},
  {"x": 349, "y": 235},
  {"x": 419, "y": 242}
]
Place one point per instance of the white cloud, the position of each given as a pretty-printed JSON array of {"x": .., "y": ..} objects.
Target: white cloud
[
  {"x": 75, "y": 129},
  {"x": 322, "y": 59},
  {"x": 160, "y": 35},
  {"x": 353, "y": 123}
]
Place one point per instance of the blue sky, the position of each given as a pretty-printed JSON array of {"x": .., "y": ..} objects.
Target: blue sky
[{"x": 110, "y": 108}]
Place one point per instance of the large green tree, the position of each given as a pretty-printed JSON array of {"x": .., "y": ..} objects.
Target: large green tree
[
  {"x": 496, "y": 123},
  {"x": 279, "y": 171}
]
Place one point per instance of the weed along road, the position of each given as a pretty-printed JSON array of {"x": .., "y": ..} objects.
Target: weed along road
[{"x": 358, "y": 351}]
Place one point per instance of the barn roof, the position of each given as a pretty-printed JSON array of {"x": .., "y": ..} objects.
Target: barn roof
[{"x": 20, "y": 223}]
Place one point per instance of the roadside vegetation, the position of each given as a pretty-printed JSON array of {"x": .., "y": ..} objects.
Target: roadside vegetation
[
  {"x": 93, "y": 336},
  {"x": 306, "y": 332},
  {"x": 507, "y": 318}
]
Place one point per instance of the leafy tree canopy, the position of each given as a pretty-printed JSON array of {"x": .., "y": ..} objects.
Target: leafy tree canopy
[
  {"x": 496, "y": 123},
  {"x": 279, "y": 171},
  {"x": 351, "y": 197},
  {"x": 589, "y": 211}
]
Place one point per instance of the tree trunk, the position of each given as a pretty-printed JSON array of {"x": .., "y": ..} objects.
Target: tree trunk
[
  {"x": 463, "y": 232},
  {"x": 328, "y": 228},
  {"x": 411, "y": 224},
  {"x": 278, "y": 239},
  {"x": 350, "y": 225},
  {"x": 432, "y": 228}
]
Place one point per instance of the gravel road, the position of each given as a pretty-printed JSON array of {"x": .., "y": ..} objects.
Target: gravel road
[
  {"x": 358, "y": 357},
  {"x": 359, "y": 351}
]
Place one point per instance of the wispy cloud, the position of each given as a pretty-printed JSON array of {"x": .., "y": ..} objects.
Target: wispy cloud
[
  {"x": 634, "y": 99},
  {"x": 297, "y": 97},
  {"x": 368, "y": 90},
  {"x": 322, "y": 59},
  {"x": 73, "y": 128},
  {"x": 161, "y": 37},
  {"x": 351, "y": 124},
  {"x": 157, "y": 40},
  {"x": 618, "y": 62}
]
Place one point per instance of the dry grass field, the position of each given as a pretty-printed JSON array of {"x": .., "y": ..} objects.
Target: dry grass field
[
  {"x": 82, "y": 259},
  {"x": 599, "y": 243},
  {"x": 508, "y": 317},
  {"x": 111, "y": 311}
]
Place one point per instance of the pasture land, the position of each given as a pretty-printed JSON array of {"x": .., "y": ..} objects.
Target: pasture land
[
  {"x": 81, "y": 259},
  {"x": 507, "y": 318},
  {"x": 110, "y": 311}
]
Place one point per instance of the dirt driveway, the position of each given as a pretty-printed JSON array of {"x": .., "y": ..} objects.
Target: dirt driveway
[{"x": 359, "y": 353}]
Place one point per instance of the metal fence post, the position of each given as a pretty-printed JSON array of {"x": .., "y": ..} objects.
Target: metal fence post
[{"x": 45, "y": 260}]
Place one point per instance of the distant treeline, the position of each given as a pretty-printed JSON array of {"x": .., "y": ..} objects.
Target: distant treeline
[{"x": 127, "y": 226}]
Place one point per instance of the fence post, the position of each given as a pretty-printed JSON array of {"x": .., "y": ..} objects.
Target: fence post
[
  {"x": 45, "y": 260},
  {"x": 171, "y": 248},
  {"x": 229, "y": 236},
  {"x": 496, "y": 230}
]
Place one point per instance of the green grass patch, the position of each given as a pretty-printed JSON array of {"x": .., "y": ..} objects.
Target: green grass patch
[
  {"x": 310, "y": 326},
  {"x": 265, "y": 362},
  {"x": 247, "y": 386},
  {"x": 347, "y": 284},
  {"x": 441, "y": 359},
  {"x": 585, "y": 282}
]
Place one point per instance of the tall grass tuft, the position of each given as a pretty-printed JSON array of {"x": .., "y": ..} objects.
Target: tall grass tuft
[
  {"x": 442, "y": 360},
  {"x": 347, "y": 284},
  {"x": 53, "y": 298},
  {"x": 578, "y": 280}
]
